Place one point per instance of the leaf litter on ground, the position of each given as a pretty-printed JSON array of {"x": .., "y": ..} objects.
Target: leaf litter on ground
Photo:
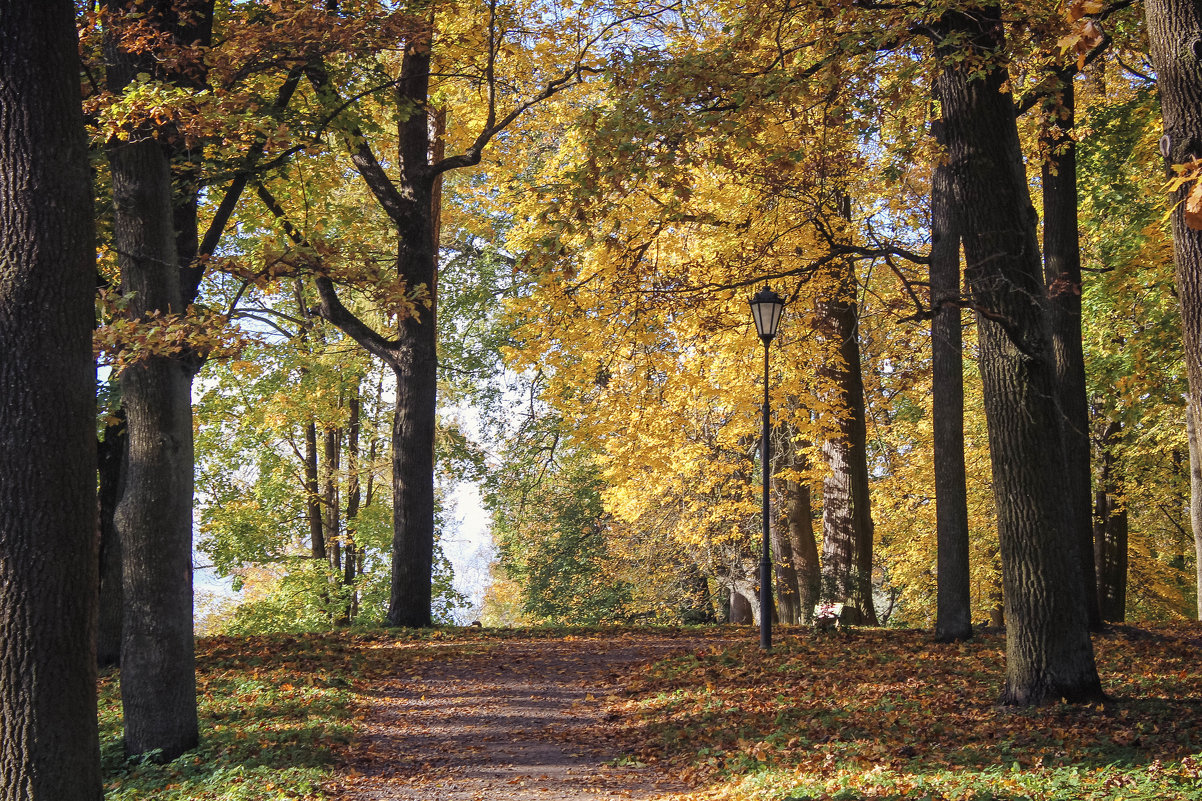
[{"x": 867, "y": 713}]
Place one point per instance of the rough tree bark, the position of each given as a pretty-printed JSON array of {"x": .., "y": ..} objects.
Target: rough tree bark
[
  {"x": 1062, "y": 273},
  {"x": 1110, "y": 527},
  {"x": 49, "y": 748},
  {"x": 953, "y": 615},
  {"x": 784, "y": 573},
  {"x": 156, "y": 237},
  {"x": 797, "y": 527},
  {"x": 1195, "y": 500},
  {"x": 1049, "y": 655},
  {"x": 154, "y": 517},
  {"x": 1175, "y": 33},
  {"x": 846, "y": 513}
]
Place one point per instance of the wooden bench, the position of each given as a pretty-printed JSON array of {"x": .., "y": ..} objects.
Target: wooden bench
[{"x": 828, "y": 616}]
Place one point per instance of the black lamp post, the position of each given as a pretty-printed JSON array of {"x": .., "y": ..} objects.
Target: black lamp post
[{"x": 766, "y": 308}]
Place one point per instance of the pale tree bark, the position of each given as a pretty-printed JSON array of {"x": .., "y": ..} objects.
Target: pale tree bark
[
  {"x": 953, "y": 615},
  {"x": 846, "y": 513},
  {"x": 742, "y": 607},
  {"x": 49, "y": 747},
  {"x": 1062, "y": 273},
  {"x": 1175, "y": 34},
  {"x": 1049, "y": 655}
]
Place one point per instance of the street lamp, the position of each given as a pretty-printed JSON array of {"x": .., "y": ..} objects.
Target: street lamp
[{"x": 766, "y": 308}]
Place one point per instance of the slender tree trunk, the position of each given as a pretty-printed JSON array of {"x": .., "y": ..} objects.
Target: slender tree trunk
[
  {"x": 953, "y": 617},
  {"x": 1110, "y": 533},
  {"x": 317, "y": 537},
  {"x": 113, "y": 458},
  {"x": 412, "y": 356},
  {"x": 333, "y": 522},
  {"x": 49, "y": 747},
  {"x": 354, "y": 497},
  {"x": 154, "y": 517},
  {"x": 846, "y": 514},
  {"x": 1062, "y": 272},
  {"x": 1175, "y": 33},
  {"x": 1048, "y": 651}
]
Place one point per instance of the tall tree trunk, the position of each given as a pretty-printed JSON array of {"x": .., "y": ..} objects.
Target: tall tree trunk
[
  {"x": 333, "y": 517},
  {"x": 1049, "y": 655},
  {"x": 49, "y": 748},
  {"x": 785, "y": 573},
  {"x": 1062, "y": 272},
  {"x": 154, "y": 517},
  {"x": 798, "y": 529},
  {"x": 1175, "y": 33},
  {"x": 412, "y": 356},
  {"x": 113, "y": 458},
  {"x": 354, "y": 497},
  {"x": 154, "y": 234},
  {"x": 1110, "y": 533},
  {"x": 953, "y": 616},
  {"x": 1195, "y": 494},
  {"x": 846, "y": 514},
  {"x": 317, "y": 536}
]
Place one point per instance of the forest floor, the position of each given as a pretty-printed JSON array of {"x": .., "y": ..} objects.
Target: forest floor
[{"x": 659, "y": 714}]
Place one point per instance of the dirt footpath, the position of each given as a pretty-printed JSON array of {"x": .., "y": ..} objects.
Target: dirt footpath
[{"x": 514, "y": 719}]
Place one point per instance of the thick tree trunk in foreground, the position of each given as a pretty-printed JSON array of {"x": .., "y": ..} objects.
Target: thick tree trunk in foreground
[
  {"x": 1049, "y": 655},
  {"x": 154, "y": 517},
  {"x": 846, "y": 513},
  {"x": 1110, "y": 532},
  {"x": 49, "y": 747},
  {"x": 1062, "y": 272},
  {"x": 1175, "y": 33},
  {"x": 953, "y": 616}
]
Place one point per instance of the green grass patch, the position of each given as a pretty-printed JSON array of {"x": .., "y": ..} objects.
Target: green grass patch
[{"x": 274, "y": 713}]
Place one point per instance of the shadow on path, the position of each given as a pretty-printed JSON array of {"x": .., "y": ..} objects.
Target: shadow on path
[{"x": 511, "y": 719}]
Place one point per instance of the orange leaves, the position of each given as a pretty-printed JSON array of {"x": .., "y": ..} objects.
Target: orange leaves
[
  {"x": 1189, "y": 174},
  {"x": 120, "y": 341},
  {"x": 1085, "y": 32}
]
